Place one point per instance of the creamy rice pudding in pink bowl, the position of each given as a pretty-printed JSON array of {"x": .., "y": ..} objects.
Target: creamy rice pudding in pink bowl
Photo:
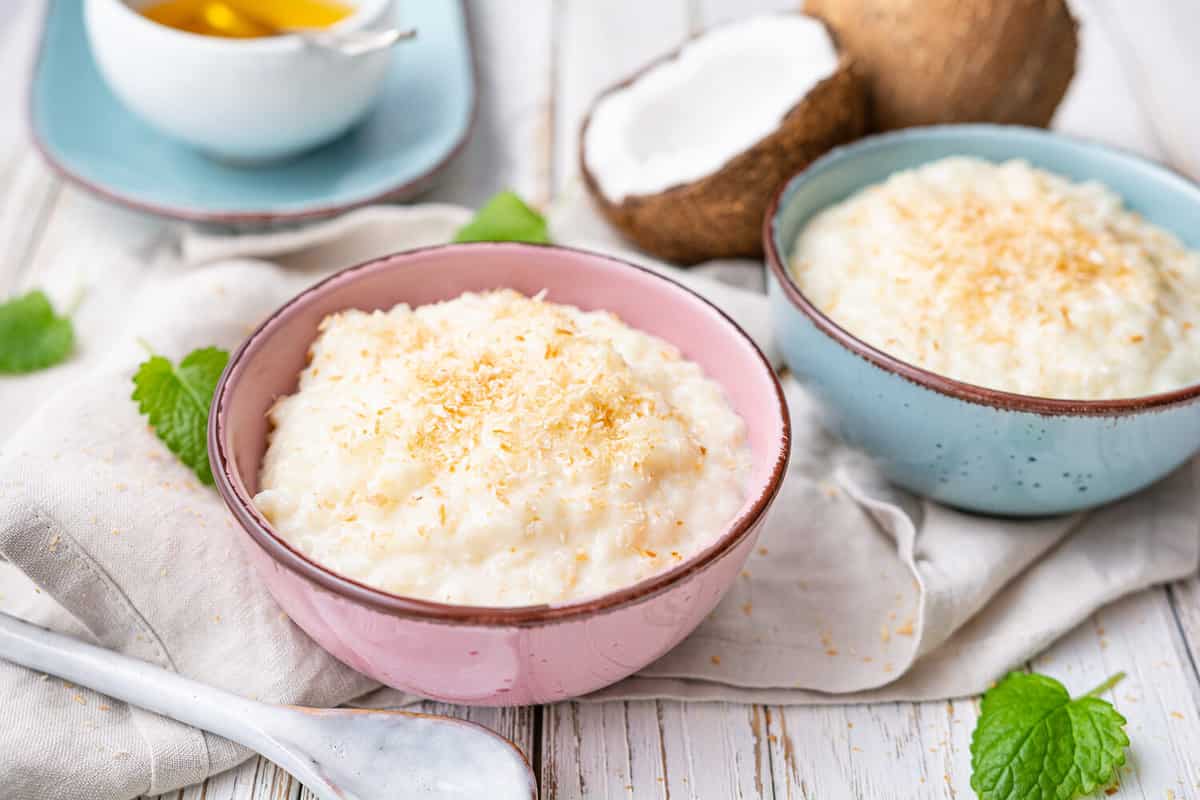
[{"x": 498, "y": 473}]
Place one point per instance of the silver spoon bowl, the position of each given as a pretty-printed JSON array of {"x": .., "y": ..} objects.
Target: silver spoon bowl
[{"x": 354, "y": 43}]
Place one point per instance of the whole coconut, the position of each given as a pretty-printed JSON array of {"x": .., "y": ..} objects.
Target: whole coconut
[{"x": 940, "y": 61}]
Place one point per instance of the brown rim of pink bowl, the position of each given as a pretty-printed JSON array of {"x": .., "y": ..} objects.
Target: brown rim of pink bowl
[
  {"x": 969, "y": 392},
  {"x": 409, "y": 188},
  {"x": 521, "y": 616}
]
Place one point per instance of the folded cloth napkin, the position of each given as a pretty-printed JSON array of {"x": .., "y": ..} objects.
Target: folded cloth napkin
[{"x": 858, "y": 591}]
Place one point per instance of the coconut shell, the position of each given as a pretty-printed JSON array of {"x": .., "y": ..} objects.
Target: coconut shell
[
  {"x": 944, "y": 61},
  {"x": 721, "y": 215}
]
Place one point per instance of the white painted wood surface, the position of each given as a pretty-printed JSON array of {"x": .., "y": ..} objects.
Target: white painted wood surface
[{"x": 541, "y": 62}]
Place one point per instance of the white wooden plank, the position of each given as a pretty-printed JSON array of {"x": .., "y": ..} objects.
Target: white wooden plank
[
  {"x": 655, "y": 749},
  {"x": 1102, "y": 102},
  {"x": 20, "y": 26},
  {"x": 706, "y": 13},
  {"x": 715, "y": 750},
  {"x": 923, "y": 750},
  {"x": 257, "y": 779},
  {"x": 573, "y": 766},
  {"x": 28, "y": 197},
  {"x": 1185, "y": 602},
  {"x": 26, "y": 184},
  {"x": 510, "y": 146},
  {"x": 647, "y": 759},
  {"x": 603, "y": 750},
  {"x": 1139, "y": 636},
  {"x": 1157, "y": 50},
  {"x": 597, "y": 45},
  {"x": 961, "y": 716},
  {"x": 876, "y": 751}
]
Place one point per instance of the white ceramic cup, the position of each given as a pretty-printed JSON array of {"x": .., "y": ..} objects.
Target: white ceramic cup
[{"x": 238, "y": 100}]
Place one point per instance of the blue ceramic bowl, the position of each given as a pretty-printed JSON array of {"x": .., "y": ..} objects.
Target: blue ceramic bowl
[{"x": 965, "y": 445}]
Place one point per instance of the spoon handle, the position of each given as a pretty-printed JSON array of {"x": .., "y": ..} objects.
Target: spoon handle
[
  {"x": 357, "y": 43},
  {"x": 133, "y": 681}
]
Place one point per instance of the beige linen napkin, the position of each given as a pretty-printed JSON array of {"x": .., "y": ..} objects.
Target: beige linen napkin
[{"x": 858, "y": 591}]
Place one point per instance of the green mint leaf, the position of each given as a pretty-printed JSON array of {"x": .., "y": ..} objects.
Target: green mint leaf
[
  {"x": 1033, "y": 742},
  {"x": 176, "y": 401},
  {"x": 32, "y": 336},
  {"x": 505, "y": 218}
]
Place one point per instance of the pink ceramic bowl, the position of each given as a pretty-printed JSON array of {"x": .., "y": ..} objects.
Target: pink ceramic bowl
[{"x": 502, "y": 655}]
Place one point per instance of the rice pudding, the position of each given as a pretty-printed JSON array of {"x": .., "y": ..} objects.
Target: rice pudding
[
  {"x": 1008, "y": 277},
  {"x": 500, "y": 450}
]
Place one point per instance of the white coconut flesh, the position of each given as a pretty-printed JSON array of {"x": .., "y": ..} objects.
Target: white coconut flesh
[{"x": 687, "y": 117}]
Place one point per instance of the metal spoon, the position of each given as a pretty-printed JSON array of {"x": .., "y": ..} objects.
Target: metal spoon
[
  {"x": 355, "y": 43},
  {"x": 339, "y": 754},
  {"x": 236, "y": 21}
]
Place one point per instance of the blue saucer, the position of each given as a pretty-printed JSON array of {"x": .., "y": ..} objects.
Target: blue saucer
[{"x": 421, "y": 120}]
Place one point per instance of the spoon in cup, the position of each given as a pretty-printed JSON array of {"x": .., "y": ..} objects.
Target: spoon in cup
[
  {"x": 232, "y": 19},
  {"x": 338, "y": 754}
]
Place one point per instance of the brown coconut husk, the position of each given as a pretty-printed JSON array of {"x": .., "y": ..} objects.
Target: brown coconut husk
[{"x": 944, "y": 61}]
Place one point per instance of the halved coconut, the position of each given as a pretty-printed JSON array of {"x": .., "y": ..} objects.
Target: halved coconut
[{"x": 684, "y": 157}]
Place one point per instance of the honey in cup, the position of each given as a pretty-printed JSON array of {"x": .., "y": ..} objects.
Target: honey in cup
[{"x": 245, "y": 19}]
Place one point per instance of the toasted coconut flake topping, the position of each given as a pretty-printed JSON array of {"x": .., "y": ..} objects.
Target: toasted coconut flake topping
[
  {"x": 1008, "y": 277},
  {"x": 498, "y": 449}
]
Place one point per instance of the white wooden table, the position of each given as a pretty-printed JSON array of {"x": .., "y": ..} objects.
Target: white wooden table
[{"x": 541, "y": 63}]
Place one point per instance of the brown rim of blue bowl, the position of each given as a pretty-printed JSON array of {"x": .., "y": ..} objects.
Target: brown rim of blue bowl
[
  {"x": 282, "y": 553},
  {"x": 969, "y": 392}
]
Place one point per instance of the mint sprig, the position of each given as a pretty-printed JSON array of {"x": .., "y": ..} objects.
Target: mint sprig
[
  {"x": 32, "y": 336},
  {"x": 505, "y": 218},
  {"x": 1033, "y": 742},
  {"x": 176, "y": 399}
]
